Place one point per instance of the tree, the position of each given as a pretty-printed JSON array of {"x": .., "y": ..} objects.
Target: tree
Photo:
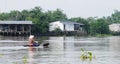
[
  {"x": 116, "y": 16},
  {"x": 24, "y": 14},
  {"x": 58, "y": 15},
  {"x": 15, "y": 15},
  {"x": 4, "y": 16},
  {"x": 99, "y": 27}
]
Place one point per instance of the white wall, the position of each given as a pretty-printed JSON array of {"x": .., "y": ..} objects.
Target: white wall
[
  {"x": 114, "y": 27},
  {"x": 54, "y": 25},
  {"x": 69, "y": 27}
]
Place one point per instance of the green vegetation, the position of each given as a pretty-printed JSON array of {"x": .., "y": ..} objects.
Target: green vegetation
[
  {"x": 103, "y": 35},
  {"x": 25, "y": 61},
  {"x": 99, "y": 27},
  {"x": 1, "y": 54},
  {"x": 86, "y": 55},
  {"x": 15, "y": 63},
  {"x": 41, "y": 20},
  {"x": 57, "y": 31}
]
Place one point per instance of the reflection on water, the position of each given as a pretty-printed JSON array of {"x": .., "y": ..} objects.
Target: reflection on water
[
  {"x": 56, "y": 43},
  {"x": 114, "y": 43},
  {"x": 31, "y": 53},
  {"x": 62, "y": 50}
]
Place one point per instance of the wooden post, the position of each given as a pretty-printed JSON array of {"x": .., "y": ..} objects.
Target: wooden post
[
  {"x": 8, "y": 30},
  {"x": 1, "y": 28},
  {"x": 16, "y": 29},
  {"x": 22, "y": 26},
  {"x": 30, "y": 29}
]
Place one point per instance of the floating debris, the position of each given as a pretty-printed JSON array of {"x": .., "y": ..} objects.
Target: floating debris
[
  {"x": 86, "y": 55},
  {"x": 25, "y": 60},
  {"x": 1, "y": 54}
]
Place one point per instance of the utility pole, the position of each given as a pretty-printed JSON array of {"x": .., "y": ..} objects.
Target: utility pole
[{"x": 17, "y": 15}]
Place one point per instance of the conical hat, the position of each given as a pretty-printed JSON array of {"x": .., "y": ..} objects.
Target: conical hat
[{"x": 31, "y": 36}]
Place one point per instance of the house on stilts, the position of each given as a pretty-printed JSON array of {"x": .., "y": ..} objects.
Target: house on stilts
[{"x": 14, "y": 28}]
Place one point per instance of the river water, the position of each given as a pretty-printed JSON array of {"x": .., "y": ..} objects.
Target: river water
[{"x": 62, "y": 50}]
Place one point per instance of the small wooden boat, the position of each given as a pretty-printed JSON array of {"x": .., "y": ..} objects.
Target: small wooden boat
[
  {"x": 45, "y": 45},
  {"x": 31, "y": 45}
]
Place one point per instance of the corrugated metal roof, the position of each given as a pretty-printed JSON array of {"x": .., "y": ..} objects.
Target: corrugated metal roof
[
  {"x": 16, "y": 22},
  {"x": 70, "y": 22}
]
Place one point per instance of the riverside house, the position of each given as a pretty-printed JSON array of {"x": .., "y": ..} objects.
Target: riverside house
[
  {"x": 66, "y": 26},
  {"x": 15, "y": 27},
  {"x": 114, "y": 27}
]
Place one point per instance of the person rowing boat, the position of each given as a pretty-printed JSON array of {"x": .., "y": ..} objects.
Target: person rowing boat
[{"x": 32, "y": 41}]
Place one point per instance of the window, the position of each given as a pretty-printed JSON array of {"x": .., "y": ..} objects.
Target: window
[{"x": 76, "y": 26}]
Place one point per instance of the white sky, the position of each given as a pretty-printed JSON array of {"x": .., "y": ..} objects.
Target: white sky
[{"x": 72, "y": 8}]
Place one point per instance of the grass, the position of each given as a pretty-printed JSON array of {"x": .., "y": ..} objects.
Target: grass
[{"x": 103, "y": 35}]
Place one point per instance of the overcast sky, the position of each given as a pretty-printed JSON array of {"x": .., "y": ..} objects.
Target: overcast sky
[{"x": 72, "y": 8}]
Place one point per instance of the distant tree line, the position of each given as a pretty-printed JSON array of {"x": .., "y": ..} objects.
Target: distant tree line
[{"x": 41, "y": 20}]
